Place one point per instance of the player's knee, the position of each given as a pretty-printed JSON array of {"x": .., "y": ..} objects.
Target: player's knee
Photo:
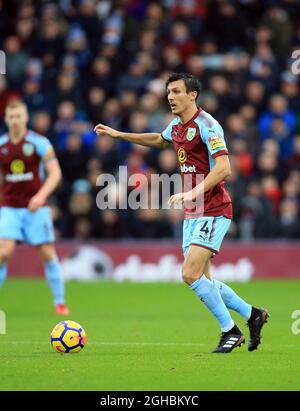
[
  {"x": 189, "y": 275},
  {"x": 5, "y": 255},
  {"x": 47, "y": 258},
  {"x": 47, "y": 253}
]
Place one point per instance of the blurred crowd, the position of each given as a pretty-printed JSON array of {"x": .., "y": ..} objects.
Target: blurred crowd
[{"x": 80, "y": 62}]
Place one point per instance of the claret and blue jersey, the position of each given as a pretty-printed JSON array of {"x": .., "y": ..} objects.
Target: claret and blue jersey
[
  {"x": 21, "y": 165},
  {"x": 197, "y": 143}
]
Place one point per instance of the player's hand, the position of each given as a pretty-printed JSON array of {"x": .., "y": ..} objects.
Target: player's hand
[
  {"x": 181, "y": 198},
  {"x": 36, "y": 202},
  {"x": 102, "y": 129}
]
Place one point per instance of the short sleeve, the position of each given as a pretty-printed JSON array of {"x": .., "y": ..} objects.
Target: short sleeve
[
  {"x": 214, "y": 139},
  {"x": 44, "y": 149},
  {"x": 167, "y": 133}
]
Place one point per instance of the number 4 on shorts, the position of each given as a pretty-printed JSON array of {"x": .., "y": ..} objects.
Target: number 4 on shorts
[{"x": 205, "y": 230}]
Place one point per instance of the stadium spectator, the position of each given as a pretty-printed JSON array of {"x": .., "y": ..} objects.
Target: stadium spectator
[
  {"x": 293, "y": 162},
  {"x": 80, "y": 209},
  {"x": 42, "y": 124},
  {"x": 256, "y": 218},
  {"x": 108, "y": 224},
  {"x": 289, "y": 224},
  {"x": 278, "y": 123},
  {"x": 108, "y": 154},
  {"x": 16, "y": 61},
  {"x": 73, "y": 158}
]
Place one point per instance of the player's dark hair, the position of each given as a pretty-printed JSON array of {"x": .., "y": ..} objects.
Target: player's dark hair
[{"x": 191, "y": 82}]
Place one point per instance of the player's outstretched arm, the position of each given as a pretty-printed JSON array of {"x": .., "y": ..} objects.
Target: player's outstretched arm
[
  {"x": 144, "y": 139},
  {"x": 51, "y": 182}
]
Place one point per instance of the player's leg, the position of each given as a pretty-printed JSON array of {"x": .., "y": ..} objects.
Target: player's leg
[
  {"x": 7, "y": 247},
  {"x": 54, "y": 275},
  {"x": 206, "y": 234},
  {"x": 39, "y": 232},
  {"x": 230, "y": 298},
  {"x": 10, "y": 231},
  {"x": 256, "y": 317},
  {"x": 192, "y": 272}
]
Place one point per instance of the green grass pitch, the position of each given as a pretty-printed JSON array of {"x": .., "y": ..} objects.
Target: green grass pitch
[{"x": 144, "y": 337}]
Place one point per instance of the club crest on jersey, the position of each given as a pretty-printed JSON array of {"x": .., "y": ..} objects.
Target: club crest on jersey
[
  {"x": 181, "y": 155},
  {"x": 27, "y": 149},
  {"x": 190, "y": 134},
  {"x": 216, "y": 142}
]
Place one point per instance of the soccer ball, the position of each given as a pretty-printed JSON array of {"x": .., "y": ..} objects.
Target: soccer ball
[{"x": 68, "y": 337}]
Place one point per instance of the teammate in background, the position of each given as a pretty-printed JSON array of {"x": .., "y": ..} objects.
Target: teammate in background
[
  {"x": 24, "y": 214},
  {"x": 201, "y": 149}
]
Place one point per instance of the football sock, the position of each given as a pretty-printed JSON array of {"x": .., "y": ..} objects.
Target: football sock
[
  {"x": 210, "y": 295},
  {"x": 3, "y": 273},
  {"x": 54, "y": 275},
  {"x": 233, "y": 301}
]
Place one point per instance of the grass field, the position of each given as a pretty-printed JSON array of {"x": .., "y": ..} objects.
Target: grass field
[{"x": 144, "y": 337}]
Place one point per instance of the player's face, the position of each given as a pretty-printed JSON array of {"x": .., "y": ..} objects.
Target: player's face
[
  {"x": 16, "y": 118},
  {"x": 179, "y": 99}
]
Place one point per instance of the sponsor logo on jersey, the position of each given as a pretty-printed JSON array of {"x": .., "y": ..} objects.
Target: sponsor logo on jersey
[
  {"x": 190, "y": 134},
  {"x": 4, "y": 151},
  {"x": 17, "y": 166},
  {"x": 188, "y": 169},
  {"x": 216, "y": 142},
  {"x": 28, "y": 149},
  {"x": 16, "y": 178},
  {"x": 181, "y": 155}
]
